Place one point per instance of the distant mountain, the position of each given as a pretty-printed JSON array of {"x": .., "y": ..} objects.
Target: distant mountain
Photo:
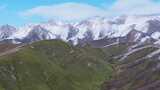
[
  {"x": 140, "y": 29},
  {"x": 6, "y": 31}
]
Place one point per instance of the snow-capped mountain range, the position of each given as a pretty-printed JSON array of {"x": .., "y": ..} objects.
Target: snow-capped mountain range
[{"x": 129, "y": 28}]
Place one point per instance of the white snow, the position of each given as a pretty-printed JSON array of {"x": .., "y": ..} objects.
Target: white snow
[
  {"x": 21, "y": 32},
  {"x": 98, "y": 26},
  {"x": 156, "y": 35},
  {"x": 145, "y": 39}
]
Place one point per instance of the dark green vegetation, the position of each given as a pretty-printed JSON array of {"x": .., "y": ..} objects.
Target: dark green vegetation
[{"x": 54, "y": 65}]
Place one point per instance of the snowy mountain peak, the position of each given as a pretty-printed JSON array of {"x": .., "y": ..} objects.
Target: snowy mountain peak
[
  {"x": 133, "y": 28},
  {"x": 6, "y": 31}
]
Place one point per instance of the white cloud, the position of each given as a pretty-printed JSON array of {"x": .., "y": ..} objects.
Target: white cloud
[
  {"x": 78, "y": 11},
  {"x": 66, "y": 11},
  {"x": 134, "y": 7}
]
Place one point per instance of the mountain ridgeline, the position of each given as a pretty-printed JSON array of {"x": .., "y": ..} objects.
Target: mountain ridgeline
[{"x": 139, "y": 29}]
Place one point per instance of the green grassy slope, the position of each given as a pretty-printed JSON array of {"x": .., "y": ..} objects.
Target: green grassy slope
[{"x": 54, "y": 65}]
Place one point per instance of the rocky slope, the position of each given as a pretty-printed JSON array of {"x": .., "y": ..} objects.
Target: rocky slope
[{"x": 136, "y": 67}]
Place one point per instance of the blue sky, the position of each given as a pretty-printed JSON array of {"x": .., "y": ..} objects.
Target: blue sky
[{"x": 20, "y": 12}]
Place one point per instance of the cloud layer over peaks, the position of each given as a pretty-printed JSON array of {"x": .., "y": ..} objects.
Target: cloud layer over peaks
[
  {"x": 79, "y": 11},
  {"x": 66, "y": 11}
]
